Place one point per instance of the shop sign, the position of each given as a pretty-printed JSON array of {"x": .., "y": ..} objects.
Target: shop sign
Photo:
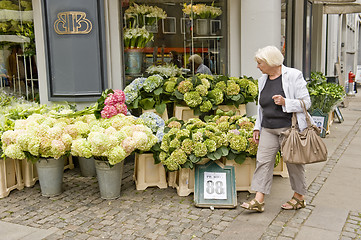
[{"x": 74, "y": 33}]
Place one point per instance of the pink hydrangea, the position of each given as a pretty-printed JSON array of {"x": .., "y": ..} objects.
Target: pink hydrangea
[
  {"x": 108, "y": 111},
  {"x": 128, "y": 145},
  {"x": 114, "y": 104}
]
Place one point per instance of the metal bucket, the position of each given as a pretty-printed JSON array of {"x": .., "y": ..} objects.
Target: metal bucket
[
  {"x": 50, "y": 172},
  {"x": 87, "y": 167},
  {"x": 109, "y": 179}
]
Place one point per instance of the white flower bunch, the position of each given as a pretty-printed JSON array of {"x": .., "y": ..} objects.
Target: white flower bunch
[
  {"x": 137, "y": 37},
  {"x": 165, "y": 71},
  {"x": 145, "y": 10},
  {"x": 202, "y": 11}
]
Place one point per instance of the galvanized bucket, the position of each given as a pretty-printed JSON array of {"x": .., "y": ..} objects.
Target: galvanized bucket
[
  {"x": 50, "y": 172},
  {"x": 87, "y": 167},
  {"x": 109, "y": 179}
]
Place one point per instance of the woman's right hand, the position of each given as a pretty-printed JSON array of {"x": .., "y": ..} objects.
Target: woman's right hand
[{"x": 256, "y": 136}]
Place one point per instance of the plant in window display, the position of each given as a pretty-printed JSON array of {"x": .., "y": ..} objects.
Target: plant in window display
[
  {"x": 5, "y": 4},
  {"x": 137, "y": 37},
  {"x": 166, "y": 71},
  {"x": 143, "y": 15},
  {"x": 202, "y": 11}
]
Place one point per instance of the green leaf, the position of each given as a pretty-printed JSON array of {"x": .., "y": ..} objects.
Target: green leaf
[
  {"x": 231, "y": 156},
  {"x": 194, "y": 159},
  {"x": 224, "y": 151},
  {"x": 240, "y": 158},
  {"x": 147, "y": 103},
  {"x": 211, "y": 156},
  {"x": 236, "y": 97},
  {"x": 188, "y": 164},
  {"x": 217, "y": 155},
  {"x": 160, "y": 108},
  {"x": 158, "y": 91},
  {"x": 197, "y": 111},
  {"x": 178, "y": 95}
]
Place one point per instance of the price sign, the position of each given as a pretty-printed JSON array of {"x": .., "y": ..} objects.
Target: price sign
[
  {"x": 320, "y": 120},
  {"x": 215, "y": 185}
]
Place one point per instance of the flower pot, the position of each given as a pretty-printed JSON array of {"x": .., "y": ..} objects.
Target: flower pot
[
  {"x": 133, "y": 61},
  {"x": 148, "y": 174},
  {"x": 87, "y": 167},
  {"x": 29, "y": 173},
  {"x": 184, "y": 182},
  {"x": 202, "y": 27},
  {"x": 50, "y": 173},
  {"x": 109, "y": 179}
]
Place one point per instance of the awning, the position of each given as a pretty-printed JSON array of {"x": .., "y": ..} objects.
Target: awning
[{"x": 340, "y": 6}]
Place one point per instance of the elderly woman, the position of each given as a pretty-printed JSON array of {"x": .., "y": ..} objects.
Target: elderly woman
[
  {"x": 198, "y": 64},
  {"x": 280, "y": 91}
]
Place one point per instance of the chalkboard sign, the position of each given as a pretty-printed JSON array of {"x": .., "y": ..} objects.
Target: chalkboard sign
[
  {"x": 215, "y": 186},
  {"x": 321, "y": 120},
  {"x": 338, "y": 114}
]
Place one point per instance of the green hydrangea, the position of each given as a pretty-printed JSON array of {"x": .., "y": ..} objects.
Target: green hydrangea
[
  {"x": 209, "y": 134},
  {"x": 179, "y": 156},
  {"x": 232, "y": 88},
  {"x": 162, "y": 156},
  {"x": 205, "y": 82},
  {"x": 252, "y": 148},
  {"x": 211, "y": 145},
  {"x": 192, "y": 99},
  {"x": 223, "y": 126},
  {"x": 174, "y": 124},
  {"x": 185, "y": 86},
  {"x": 175, "y": 143},
  {"x": 198, "y": 136},
  {"x": 164, "y": 146},
  {"x": 238, "y": 143},
  {"x": 222, "y": 119},
  {"x": 184, "y": 133},
  {"x": 206, "y": 106},
  {"x": 221, "y": 86},
  {"x": 187, "y": 146},
  {"x": 202, "y": 90},
  {"x": 116, "y": 155},
  {"x": 216, "y": 95},
  {"x": 171, "y": 164},
  {"x": 253, "y": 89},
  {"x": 200, "y": 149},
  {"x": 246, "y": 125},
  {"x": 169, "y": 86}
]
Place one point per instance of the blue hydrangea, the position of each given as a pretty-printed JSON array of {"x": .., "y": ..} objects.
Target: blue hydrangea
[
  {"x": 152, "y": 120},
  {"x": 160, "y": 134},
  {"x": 132, "y": 90}
]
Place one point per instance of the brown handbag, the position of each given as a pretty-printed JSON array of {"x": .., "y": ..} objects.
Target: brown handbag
[{"x": 303, "y": 147}]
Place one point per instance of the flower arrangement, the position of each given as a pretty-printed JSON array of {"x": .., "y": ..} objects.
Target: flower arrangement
[
  {"x": 165, "y": 71},
  {"x": 185, "y": 144},
  {"x": 146, "y": 93},
  {"x": 155, "y": 123},
  {"x": 202, "y": 11},
  {"x": 137, "y": 37},
  {"x": 38, "y": 136},
  {"x": 324, "y": 96},
  {"x": 111, "y": 139},
  {"x": 144, "y": 15}
]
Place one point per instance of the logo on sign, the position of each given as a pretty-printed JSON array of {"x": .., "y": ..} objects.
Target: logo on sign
[{"x": 72, "y": 22}]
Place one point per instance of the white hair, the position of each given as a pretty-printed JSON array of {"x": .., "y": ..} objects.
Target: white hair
[
  {"x": 196, "y": 59},
  {"x": 270, "y": 55}
]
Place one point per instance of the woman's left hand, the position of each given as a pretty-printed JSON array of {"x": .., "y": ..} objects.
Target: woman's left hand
[{"x": 279, "y": 100}]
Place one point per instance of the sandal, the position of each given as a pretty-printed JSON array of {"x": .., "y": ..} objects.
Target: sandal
[
  {"x": 294, "y": 206},
  {"x": 254, "y": 205}
]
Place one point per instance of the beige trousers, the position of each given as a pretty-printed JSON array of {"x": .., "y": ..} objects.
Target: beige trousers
[{"x": 269, "y": 144}]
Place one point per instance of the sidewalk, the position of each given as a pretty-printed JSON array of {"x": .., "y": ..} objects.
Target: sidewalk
[
  {"x": 333, "y": 211},
  {"x": 334, "y": 193}
]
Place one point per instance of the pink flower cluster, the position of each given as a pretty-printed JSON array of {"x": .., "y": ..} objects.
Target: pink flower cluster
[{"x": 114, "y": 104}]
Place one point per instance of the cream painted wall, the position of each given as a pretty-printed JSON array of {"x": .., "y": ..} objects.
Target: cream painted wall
[
  {"x": 260, "y": 27},
  {"x": 234, "y": 38}
]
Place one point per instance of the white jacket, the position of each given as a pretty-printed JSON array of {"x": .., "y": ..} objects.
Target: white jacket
[{"x": 294, "y": 86}]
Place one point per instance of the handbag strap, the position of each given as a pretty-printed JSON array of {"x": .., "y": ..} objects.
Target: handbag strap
[{"x": 294, "y": 118}]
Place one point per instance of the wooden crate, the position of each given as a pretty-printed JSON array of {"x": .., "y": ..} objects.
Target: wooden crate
[
  {"x": 281, "y": 169},
  {"x": 184, "y": 181},
  {"x": 241, "y": 110},
  {"x": 164, "y": 116},
  {"x": 171, "y": 179},
  {"x": 10, "y": 176},
  {"x": 183, "y": 113},
  {"x": 69, "y": 163},
  {"x": 29, "y": 173},
  {"x": 148, "y": 174},
  {"x": 243, "y": 173}
]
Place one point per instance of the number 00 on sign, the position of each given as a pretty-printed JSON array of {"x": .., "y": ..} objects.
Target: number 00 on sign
[{"x": 215, "y": 185}]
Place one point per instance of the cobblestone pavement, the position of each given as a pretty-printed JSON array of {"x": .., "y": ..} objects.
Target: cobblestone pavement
[
  {"x": 80, "y": 213},
  {"x": 287, "y": 224},
  {"x": 352, "y": 228}
]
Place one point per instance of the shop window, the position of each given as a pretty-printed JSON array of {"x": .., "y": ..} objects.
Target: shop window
[
  {"x": 18, "y": 71},
  {"x": 181, "y": 27}
]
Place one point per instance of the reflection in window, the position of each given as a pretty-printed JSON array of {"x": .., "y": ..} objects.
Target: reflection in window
[
  {"x": 180, "y": 30},
  {"x": 18, "y": 69}
]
